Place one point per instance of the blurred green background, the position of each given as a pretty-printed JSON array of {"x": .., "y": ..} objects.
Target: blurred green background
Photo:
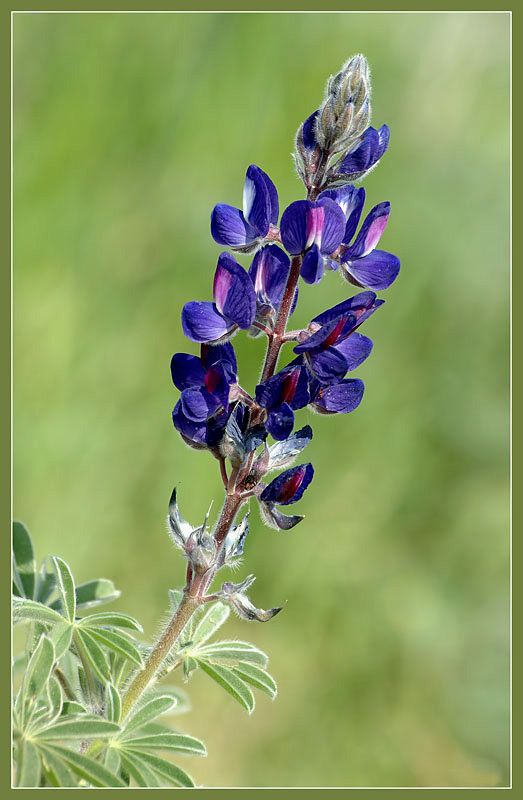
[{"x": 392, "y": 651}]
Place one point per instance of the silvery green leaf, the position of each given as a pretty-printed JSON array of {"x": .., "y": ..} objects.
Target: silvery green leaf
[
  {"x": 258, "y": 678},
  {"x": 54, "y": 696},
  {"x": 230, "y": 651},
  {"x": 45, "y": 584},
  {"x": 95, "y": 593},
  {"x": 274, "y": 518},
  {"x": 113, "y": 703},
  {"x": 282, "y": 454},
  {"x": 66, "y": 587},
  {"x": 24, "y": 559},
  {"x": 110, "y": 619},
  {"x": 112, "y": 760},
  {"x": 61, "y": 635},
  {"x": 57, "y": 772},
  {"x": 120, "y": 644},
  {"x": 141, "y": 773},
  {"x": 226, "y": 678},
  {"x": 94, "y": 653},
  {"x": 82, "y": 728},
  {"x": 210, "y": 623},
  {"x": 72, "y": 708},
  {"x": 39, "y": 667},
  {"x": 180, "y": 696},
  {"x": 178, "y": 742},
  {"x": 31, "y": 610},
  {"x": 86, "y": 767},
  {"x": 165, "y": 769},
  {"x": 189, "y": 665},
  {"x": 28, "y": 765},
  {"x": 149, "y": 711}
]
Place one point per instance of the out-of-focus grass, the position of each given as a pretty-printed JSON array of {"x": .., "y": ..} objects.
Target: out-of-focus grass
[{"x": 392, "y": 651}]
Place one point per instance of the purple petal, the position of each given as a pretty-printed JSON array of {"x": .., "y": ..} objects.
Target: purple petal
[
  {"x": 377, "y": 270},
  {"x": 293, "y": 226},
  {"x": 201, "y": 322},
  {"x": 289, "y": 486},
  {"x": 217, "y": 383},
  {"x": 269, "y": 272},
  {"x": 256, "y": 204},
  {"x": 329, "y": 365},
  {"x": 357, "y": 304},
  {"x": 211, "y": 354},
  {"x": 355, "y": 349},
  {"x": 370, "y": 232},
  {"x": 230, "y": 228},
  {"x": 328, "y": 334},
  {"x": 364, "y": 156},
  {"x": 280, "y": 421},
  {"x": 309, "y": 132},
  {"x": 233, "y": 292},
  {"x": 186, "y": 371},
  {"x": 384, "y": 137},
  {"x": 198, "y": 405},
  {"x": 195, "y": 432},
  {"x": 333, "y": 226},
  {"x": 351, "y": 201},
  {"x": 274, "y": 206},
  {"x": 312, "y": 266},
  {"x": 342, "y": 397}
]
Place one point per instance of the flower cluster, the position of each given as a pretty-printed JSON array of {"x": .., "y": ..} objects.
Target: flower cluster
[{"x": 334, "y": 146}]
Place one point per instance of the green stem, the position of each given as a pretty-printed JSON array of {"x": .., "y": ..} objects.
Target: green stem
[{"x": 142, "y": 680}]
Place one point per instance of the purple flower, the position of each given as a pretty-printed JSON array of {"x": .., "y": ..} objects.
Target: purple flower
[
  {"x": 204, "y": 383},
  {"x": 269, "y": 272},
  {"x": 234, "y": 305},
  {"x": 289, "y": 486},
  {"x": 313, "y": 228},
  {"x": 361, "y": 263},
  {"x": 283, "y": 394},
  {"x": 367, "y": 154},
  {"x": 333, "y": 347},
  {"x": 338, "y": 398},
  {"x": 244, "y": 230}
]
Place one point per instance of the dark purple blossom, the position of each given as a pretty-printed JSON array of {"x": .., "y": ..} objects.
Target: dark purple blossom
[
  {"x": 269, "y": 272},
  {"x": 289, "y": 486},
  {"x": 281, "y": 395},
  {"x": 366, "y": 155},
  {"x": 200, "y": 414},
  {"x": 333, "y": 348},
  {"x": 234, "y": 304},
  {"x": 244, "y": 230},
  {"x": 338, "y": 398},
  {"x": 361, "y": 263},
  {"x": 313, "y": 228}
]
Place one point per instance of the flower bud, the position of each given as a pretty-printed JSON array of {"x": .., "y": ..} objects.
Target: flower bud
[{"x": 345, "y": 112}]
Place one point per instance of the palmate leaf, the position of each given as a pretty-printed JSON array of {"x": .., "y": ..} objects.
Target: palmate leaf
[
  {"x": 166, "y": 770},
  {"x": 141, "y": 773},
  {"x": 84, "y": 766},
  {"x": 72, "y": 708},
  {"x": 94, "y": 654},
  {"x": 57, "y": 773},
  {"x": 258, "y": 678},
  {"x": 92, "y": 593},
  {"x": 54, "y": 698},
  {"x": 228, "y": 680},
  {"x": 29, "y": 766},
  {"x": 168, "y": 740},
  {"x": 110, "y": 619},
  {"x": 113, "y": 703},
  {"x": 24, "y": 609},
  {"x": 120, "y": 644},
  {"x": 112, "y": 760},
  {"x": 147, "y": 712},
  {"x": 39, "y": 668},
  {"x": 66, "y": 587},
  {"x": 228, "y": 652},
  {"x": 24, "y": 566},
  {"x": 85, "y": 727},
  {"x": 45, "y": 584},
  {"x": 61, "y": 635},
  {"x": 210, "y": 622}
]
